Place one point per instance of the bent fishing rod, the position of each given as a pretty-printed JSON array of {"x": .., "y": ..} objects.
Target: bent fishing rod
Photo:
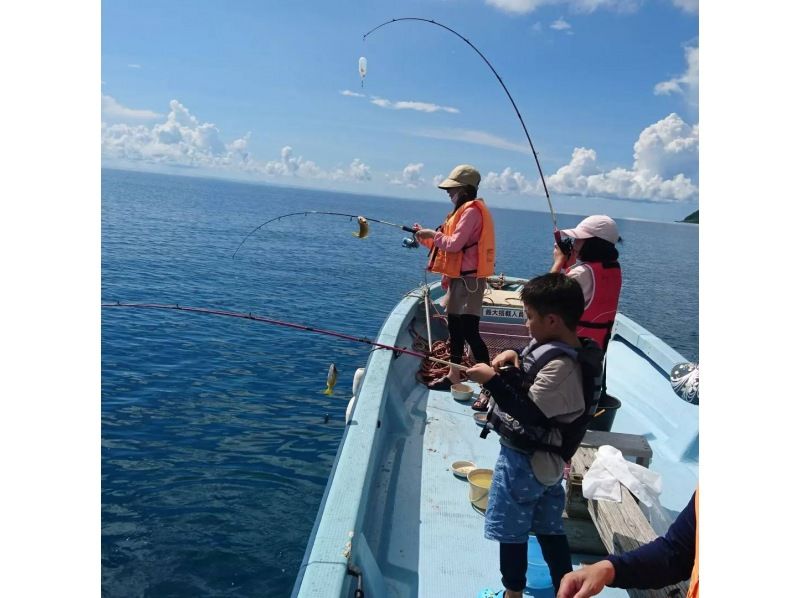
[
  {"x": 556, "y": 232},
  {"x": 250, "y": 316},
  {"x": 362, "y": 220}
]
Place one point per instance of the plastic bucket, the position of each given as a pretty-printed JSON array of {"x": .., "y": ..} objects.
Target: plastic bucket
[
  {"x": 607, "y": 408},
  {"x": 538, "y": 574},
  {"x": 479, "y": 482}
]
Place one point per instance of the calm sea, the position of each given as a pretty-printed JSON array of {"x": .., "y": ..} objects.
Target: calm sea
[{"x": 216, "y": 439}]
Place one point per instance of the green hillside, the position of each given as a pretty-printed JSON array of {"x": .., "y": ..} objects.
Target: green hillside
[{"x": 694, "y": 217}]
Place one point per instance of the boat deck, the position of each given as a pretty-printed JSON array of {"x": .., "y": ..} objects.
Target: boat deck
[{"x": 415, "y": 532}]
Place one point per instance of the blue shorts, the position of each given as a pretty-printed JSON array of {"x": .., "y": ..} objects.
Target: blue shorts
[{"x": 519, "y": 504}]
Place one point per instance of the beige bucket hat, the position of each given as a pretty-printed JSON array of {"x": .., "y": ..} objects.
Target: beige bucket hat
[{"x": 463, "y": 174}]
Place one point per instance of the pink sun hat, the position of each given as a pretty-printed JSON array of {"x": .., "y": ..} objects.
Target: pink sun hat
[{"x": 600, "y": 226}]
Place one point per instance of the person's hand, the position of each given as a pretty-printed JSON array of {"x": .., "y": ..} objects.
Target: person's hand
[
  {"x": 480, "y": 373},
  {"x": 559, "y": 259},
  {"x": 425, "y": 233},
  {"x": 507, "y": 356},
  {"x": 586, "y": 581}
]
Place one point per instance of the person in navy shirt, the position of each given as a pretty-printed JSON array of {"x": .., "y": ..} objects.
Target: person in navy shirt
[{"x": 664, "y": 561}]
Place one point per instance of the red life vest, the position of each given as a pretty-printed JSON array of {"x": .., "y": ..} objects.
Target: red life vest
[{"x": 598, "y": 315}]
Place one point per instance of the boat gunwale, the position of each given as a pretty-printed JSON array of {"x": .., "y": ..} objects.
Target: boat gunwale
[{"x": 336, "y": 526}]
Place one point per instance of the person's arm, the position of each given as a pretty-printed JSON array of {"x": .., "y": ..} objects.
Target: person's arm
[
  {"x": 582, "y": 274},
  {"x": 587, "y": 581},
  {"x": 559, "y": 260},
  {"x": 466, "y": 232},
  {"x": 664, "y": 561},
  {"x": 509, "y": 356},
  {"x": 424, "y": 235},
  {"x": 510, "y": 397}
]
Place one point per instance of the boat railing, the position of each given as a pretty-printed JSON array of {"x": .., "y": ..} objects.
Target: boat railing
[{"x": 676, "y": 419}]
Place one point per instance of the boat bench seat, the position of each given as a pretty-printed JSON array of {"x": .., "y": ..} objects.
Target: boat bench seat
[
  {"x": 621, "y": 526},
  {"x": 630, "y": 445}
]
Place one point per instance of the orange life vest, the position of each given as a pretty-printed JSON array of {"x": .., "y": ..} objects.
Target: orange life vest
[
  {"x": 694, "y": 581},
  {"x": 598, "y": 316},
  {"x": 449, "y": 263}
]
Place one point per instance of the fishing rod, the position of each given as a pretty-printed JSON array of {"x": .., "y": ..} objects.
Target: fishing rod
[
  {"x": 362, "y": 220},
  {"x": 250, "y": 316},
  {"x": 362, "y": 69}
]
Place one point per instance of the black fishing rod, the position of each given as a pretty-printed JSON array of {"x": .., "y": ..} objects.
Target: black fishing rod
[
  {"x": 362, "y": 220},
  {"x": 556, "y": 232},
  {"x": 250, "y": 316}
]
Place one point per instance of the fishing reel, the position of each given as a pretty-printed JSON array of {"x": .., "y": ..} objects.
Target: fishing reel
[
  {"x": 410, "y": 243},
  {"x": 565, "y": 244},
  {"x": 511, "y": 375}
]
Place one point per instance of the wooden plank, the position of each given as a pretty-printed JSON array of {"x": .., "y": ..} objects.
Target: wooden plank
[
  {"x": 583, "y": 537},
  {"x": 622, "y": 526},
  {"x": 630, "y": 445}
]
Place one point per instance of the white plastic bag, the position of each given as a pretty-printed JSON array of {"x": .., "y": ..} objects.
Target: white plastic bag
[{"x": 610, "y": 469}]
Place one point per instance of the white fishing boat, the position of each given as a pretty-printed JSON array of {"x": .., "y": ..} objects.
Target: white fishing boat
[{"x": 395, "y": 521}]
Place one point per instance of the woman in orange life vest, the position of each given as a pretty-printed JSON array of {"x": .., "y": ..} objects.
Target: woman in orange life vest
[
  {"x": 597, "y": 271},
  {"x": 462, "y": 250}
]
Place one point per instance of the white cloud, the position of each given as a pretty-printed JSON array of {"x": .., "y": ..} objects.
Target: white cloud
[
  {"x": 688, "y": 83},
  {"x": 520, "y": 7},
  {"x": 135, "y": 66},
  {"x": 182, "y": 140},
  {"x": 402, "y": 104},
  {"x": 665, "y": 167},
  {"x": 690, "y": 6},
  {"x": 412, "y": 105},
  {"x": 472, "y": 136},
  {"x": 411, "y": 176},
  {"x": 508, "y": 182},
  {"x": 111, "y": 110},
  {"x": 357, "y": 171},
  {"x": 560, "y": 25},
  {"x": 437, "y": 180},
  {"x": 291, "y": 165}
]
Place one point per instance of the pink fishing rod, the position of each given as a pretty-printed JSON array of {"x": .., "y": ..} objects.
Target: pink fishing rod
[{"x": 249, "y": 316}]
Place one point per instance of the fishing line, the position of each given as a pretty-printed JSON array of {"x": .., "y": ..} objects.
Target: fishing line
[
  {"x": 250, "y": 316},
  {"x": 362, "y": 69},
  {"x": 362, "y": 230}
]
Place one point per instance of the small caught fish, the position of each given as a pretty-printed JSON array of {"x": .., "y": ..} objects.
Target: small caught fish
[
  {"x": 331, "y": 381},
  {"x": 363, "y": 228}
]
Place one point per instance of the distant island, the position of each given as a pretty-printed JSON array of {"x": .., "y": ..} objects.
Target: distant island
[{"x": 693, "y": 218}]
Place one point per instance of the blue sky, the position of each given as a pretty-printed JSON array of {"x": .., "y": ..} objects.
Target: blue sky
[{"x": 271, "y": 92}]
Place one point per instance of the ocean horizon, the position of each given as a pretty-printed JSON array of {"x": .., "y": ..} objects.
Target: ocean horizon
[{"x": 217, "y": 441}]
